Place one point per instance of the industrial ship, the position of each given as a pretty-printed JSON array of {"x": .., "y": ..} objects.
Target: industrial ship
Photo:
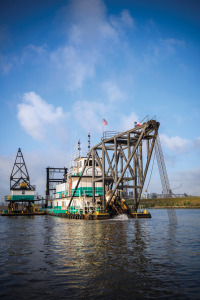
[
  {"x": 82, "y": 204},
  {"x": 95, "y": 184}
]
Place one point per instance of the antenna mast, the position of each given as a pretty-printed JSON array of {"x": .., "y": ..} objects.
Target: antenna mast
[
  {"x": 79, "y": 148},
  {"x": 88, "y": 142}
]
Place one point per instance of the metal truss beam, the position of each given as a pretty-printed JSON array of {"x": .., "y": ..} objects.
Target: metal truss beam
[
  {"x": 19, "y": 173},
  {"x": 122, "y": 161},
  {"x": 51, "y": 180}
]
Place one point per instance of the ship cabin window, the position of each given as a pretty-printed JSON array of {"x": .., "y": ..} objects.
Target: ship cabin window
[
  {"x": 95, "y": 162},
  {"x": 90, "y": 163}
]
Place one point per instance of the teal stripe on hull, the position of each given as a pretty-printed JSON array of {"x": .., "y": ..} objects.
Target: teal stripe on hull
[
  {"x": 56, "y": 211},
  {"x": 22, "y": 197},
  {"x": 59, "y": 210},
  {"x": 81, "y": 191}
]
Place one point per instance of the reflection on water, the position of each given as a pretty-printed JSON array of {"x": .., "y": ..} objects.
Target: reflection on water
[
  {"x": 172, "y": 215},
  {"x": 46, "y": 257}
]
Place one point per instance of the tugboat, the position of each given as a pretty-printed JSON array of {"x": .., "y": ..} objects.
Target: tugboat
[{"x": 82, "y": 205}]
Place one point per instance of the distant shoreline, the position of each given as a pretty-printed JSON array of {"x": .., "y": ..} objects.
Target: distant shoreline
[
  {"x": 181, "y": 202},
  {"x": 174, "y": 207}
]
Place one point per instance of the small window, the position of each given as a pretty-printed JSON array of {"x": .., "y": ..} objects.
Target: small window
[{"x": 23, "y": 192}]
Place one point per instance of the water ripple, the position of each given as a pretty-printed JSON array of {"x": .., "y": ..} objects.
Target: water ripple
[{"x": 47, "y": 258}]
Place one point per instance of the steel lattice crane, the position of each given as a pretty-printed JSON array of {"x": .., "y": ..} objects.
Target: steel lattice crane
[{"x": 20, "y": 174}]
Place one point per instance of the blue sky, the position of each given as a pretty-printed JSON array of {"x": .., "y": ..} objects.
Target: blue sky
[{"x": 66, "y": 65}]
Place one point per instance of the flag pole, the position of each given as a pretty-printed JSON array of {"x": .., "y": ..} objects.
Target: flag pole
[{"x": 103, "y": 123}]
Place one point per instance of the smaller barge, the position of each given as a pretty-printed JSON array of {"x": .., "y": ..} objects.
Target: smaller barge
[{"x": 21, "y": 201}]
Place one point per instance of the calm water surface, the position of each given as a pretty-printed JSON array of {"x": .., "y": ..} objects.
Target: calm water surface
[{"x": 44, "y": 257}]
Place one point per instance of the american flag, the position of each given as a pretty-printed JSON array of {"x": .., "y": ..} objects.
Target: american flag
[{"x": 104, "y": 122}]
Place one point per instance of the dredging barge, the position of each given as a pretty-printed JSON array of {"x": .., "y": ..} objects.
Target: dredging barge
[{"x": 94, "y": 186}]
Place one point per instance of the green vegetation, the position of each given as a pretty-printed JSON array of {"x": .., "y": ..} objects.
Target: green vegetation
[{"x": 182, "y": 202}]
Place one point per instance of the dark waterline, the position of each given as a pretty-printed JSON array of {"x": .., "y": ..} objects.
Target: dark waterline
[{"x": 45, "y": 257}]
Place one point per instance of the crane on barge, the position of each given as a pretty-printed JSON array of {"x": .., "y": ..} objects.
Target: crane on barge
[
  {"x": 123, "y": 164},
  {"x": 22, "y": 193}
]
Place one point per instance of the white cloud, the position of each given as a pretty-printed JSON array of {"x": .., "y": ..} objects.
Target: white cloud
[
  {"x": 5, "y": 64},
  {"x": 184, "y": 181},
  {"x": 89, "y": 24},
  {"x": 171, "y": 44},
  {"x": 112, "y": 91},
  {"x": 190, "y": 181},
  {"x": 90, "y": 35},
  {"x": 73, "y": 65},
  {"x": 124, "y": 20},
  {"x": 127, "y": 122},
  {"x": 162, "y": 49},
  {"x": 197, "y": 143},
  {"x": 31, "y": 54},
  {"x": 90, "y": 114},
  {"x": 34, "y": 55},
  {"x": 35, "y": 114},
  {"x": 176, "y": 143},
  {"x": 6, "y": 163}
]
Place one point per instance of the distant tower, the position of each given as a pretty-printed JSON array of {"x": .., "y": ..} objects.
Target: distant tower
[
  {"x": 79, "y": 148},
  {"x": 19, "y": 176},
  {"x": 21, "y": 191}
]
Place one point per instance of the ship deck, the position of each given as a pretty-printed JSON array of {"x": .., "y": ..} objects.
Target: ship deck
[{"x": 15, "y": 214}]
